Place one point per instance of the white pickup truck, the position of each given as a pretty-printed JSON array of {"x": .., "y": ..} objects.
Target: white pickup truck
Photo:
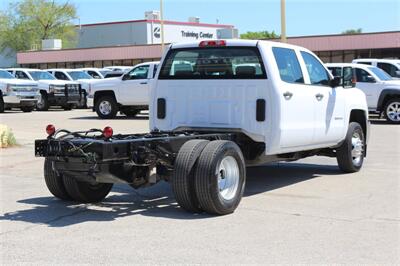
[
  {"x": 128, "y": 94},
  {"x": 216, "y": 107},
  {"x": 77, "y": 75},
  {"x": 382, "y": 91},
  {"x": 53, "y": 92},
  {"x": 15, "y": 93}
]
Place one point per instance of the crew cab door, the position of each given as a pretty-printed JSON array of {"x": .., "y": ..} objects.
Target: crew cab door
[
  {"x": 329, "y": 107},
  {"x": 296, "y": 102},
  {"x": 135, "y": 85},
  {"x": 370, "y": 86}
]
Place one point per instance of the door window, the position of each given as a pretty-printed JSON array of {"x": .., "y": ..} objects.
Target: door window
[
  {"x": 139, "y": 72},
  {"x": 316, "y": 71},
  {"x": 94, "y": 74},
  {"x": 388, "y": 68},
  {"x": 60, "y": 75},
  {"x": 288, "y": 65},
  {"x": 364, "y": 76},
  {"x": 21, "y": 75}
]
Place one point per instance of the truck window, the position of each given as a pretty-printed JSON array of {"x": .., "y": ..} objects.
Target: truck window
[
  {"x": 60, "y": 75},
  {"x": 388, "y": 68},
  {"x": 336, "y": 71},
  {"x": 318, "y": 74},
  {"x": 288, "y": 65},
  {"x": 363, "y": 76},
  {"x": 139, "y": 72},
  {"x": 213, "y": 63},
  {"x": 94, "y": 74},
  {"x": 21, "y": 75}
]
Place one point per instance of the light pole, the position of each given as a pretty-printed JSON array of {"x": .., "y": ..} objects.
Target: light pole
[
  {"x": 283, "y": 21},
  {"x": 162, "y": 25}
]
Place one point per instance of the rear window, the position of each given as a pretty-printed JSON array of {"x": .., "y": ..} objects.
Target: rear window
[{"x": 213, "y": 63}]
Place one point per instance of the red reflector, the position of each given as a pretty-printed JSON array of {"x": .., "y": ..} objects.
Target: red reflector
[
  {"x": 108, "y": 132},
  {"x": 50, "y": 130},
  {"x": 212, "y": 43}
]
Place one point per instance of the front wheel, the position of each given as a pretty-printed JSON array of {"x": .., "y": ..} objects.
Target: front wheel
[
  {"x": 106, "y": 107},
  {"x": 43, "y": 102},
  {"x": 83, "y": 101},
  {"x": 392, "y": 111},
  {"x": 220, "y": 177},
  {"x": 350, "y": 154}
]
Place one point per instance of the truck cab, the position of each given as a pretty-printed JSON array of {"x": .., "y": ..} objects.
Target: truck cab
[
  {"x": 15, "y": 93},
  {"x": 390, "y": 66},
  {"x": 128, "y": 94},
  {"x": 53, "y": 92},
  {"x": 382, "y": 91}
]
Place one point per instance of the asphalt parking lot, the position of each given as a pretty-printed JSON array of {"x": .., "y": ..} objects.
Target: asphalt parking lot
[{"x": 303, "y": 212}]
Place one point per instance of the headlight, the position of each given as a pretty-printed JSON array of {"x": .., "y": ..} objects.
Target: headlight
[
  {"x": 52, "y": 88},
  {"x": 9, "y": 88}
]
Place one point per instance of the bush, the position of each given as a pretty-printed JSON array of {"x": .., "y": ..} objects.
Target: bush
[{"x": 7, "y": 138}]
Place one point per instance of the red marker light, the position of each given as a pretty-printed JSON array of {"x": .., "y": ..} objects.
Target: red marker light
[
  {"x": 212, "y": 43},
  {"x": 108, "y": 132},
  {"x": 50, "y": 130}
]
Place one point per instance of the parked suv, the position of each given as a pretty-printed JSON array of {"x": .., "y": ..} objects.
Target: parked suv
[
  {"x": 216, "y": 107},
  {"x": 390, "y": 66},
  {"x": 53, "y": 92},
  {"x": 15, "y": 93},
  {"x": 382, "y": 91},
  {"x": 84, "y": 79},
  {"x": 128, "y": 94}
]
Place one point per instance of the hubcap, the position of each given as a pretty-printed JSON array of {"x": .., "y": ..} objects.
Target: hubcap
[
  {"x": 228, "y": 178},
  {"x": 40, "y": 102},
  {"x": 105, "y": 107},
  {"x": 393, "y": 111},
  {"x": 357, "y": 148}
]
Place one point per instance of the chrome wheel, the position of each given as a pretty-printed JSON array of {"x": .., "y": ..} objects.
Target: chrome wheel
[
  {"x": 105, "y": 107},
  {"x": 393, "y": 111},
  {"x": 228, "y": 178},
  {"x": 357, "y": 148},
  {"x": 40, "y": 102}
]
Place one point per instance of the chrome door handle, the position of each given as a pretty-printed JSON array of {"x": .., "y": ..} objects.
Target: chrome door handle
[
  {"x": 287, "y": 95},
  {"x": 319, "y": 96},
  {"x": 143, "y": 82}
]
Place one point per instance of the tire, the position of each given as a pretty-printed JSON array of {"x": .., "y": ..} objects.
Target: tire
[
  {"x": 84, "y": 192},
  {"x": 106, "y": 107},
  {"x": 220, "y": 192},
  {"x": 392, "y": 111},
  {"x": 1, "y": 105},
  {"x": 27, "y": 109},
  {"x": 350, "y": 154},
  {"x": 54, "y": 182},
  {"x": 183, "y": 176},
  {"x": 67, "y": 107},
  {"x": 43, "y": 103},
  {"x": 131, "y": 113}
]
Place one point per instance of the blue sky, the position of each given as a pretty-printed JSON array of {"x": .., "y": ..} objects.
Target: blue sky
[{"x": 304, "y": 17}]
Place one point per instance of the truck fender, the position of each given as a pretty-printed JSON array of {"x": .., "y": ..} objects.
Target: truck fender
[{"x": 384, "y": 96}]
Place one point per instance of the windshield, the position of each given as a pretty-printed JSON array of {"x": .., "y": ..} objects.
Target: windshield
[
  {"x": 213, "y": 63},
  {"x": 75, "y": 75},
  {"x": 382, "y": 75},
  {"x": 38, "y": 75},
  {"x": 5, "y": 75}
]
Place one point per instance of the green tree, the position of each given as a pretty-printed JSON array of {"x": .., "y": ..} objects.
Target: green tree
[
  {"x": 24, "y": 24},
  {"x": 259, "y": 35},
  {"x": 353, "y": 31}
]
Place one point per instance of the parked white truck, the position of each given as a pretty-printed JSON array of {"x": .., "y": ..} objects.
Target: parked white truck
[
  {"x": 128, "y": 94},
  {"x": 229, "y": 104},
  {"x": 16, "y": 93},
  {"x": 382, "y": 91},
  {"x": 53, "y": 92}
]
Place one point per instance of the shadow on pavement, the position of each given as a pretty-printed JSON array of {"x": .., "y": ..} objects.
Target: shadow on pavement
[{"x": 158, "y": 200}]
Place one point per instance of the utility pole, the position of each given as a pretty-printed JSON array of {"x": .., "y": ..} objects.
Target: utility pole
[
  {"x": 162, "y": 25},
  {"x": 283, "y": 21}
]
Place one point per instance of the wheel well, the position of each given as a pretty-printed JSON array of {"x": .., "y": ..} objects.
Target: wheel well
[
  {"x": 99, "y": 94},
  {"x": 360, "y": 117},
  {"x": 387, "y": 98}
]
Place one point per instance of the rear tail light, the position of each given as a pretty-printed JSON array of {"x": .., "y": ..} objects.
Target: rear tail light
[
  {"x": 212, "y": 43},
  {"x": 50, "y": 130},
  {"x": 108, "y": 132}
]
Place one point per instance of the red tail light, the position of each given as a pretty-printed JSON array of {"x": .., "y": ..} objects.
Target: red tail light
[
  {"x": 108, "y": 132},
  {"x": 212, "y": 43},
  {"x": 50, "y": 130}
]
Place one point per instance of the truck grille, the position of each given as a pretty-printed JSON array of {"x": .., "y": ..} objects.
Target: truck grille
[
  {"x": 24, "y": 88},
  {"x": 72, "y": 89}
]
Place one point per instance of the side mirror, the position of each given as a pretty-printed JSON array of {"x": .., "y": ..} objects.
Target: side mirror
[
  {"x": 348, "y": 78},
  {"x": 335, "y": 82},
  {"x": 397, "y": 74},
  {"x": 370, "y": 79},
  {"x": 126, "y": 77}
]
